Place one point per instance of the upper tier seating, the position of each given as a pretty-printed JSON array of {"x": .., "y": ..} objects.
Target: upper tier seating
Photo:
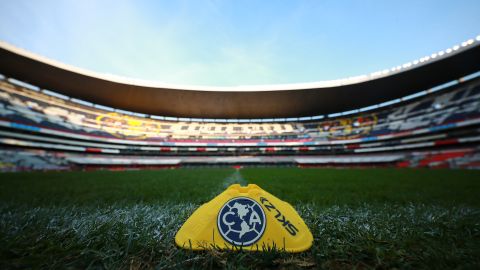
[{"x": 28, "y": 107}]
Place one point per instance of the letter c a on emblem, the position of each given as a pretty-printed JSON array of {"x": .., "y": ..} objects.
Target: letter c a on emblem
[{"x": 224, "y": 218}]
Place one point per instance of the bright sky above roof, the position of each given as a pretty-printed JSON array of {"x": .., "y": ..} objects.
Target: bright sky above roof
[{"x": 229, "y": 43}]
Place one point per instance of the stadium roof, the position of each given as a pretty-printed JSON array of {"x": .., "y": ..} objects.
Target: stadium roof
[{"x": 262, "y": 101}]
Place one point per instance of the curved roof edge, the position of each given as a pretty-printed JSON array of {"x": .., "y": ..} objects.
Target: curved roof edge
[{"x": 255, "y": 101}]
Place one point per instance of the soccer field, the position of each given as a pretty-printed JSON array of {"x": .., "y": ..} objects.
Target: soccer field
[{"x": 364, "y": 218}]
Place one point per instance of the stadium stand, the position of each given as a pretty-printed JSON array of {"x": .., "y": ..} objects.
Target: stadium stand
[
  {"x": 42, "y": 130},
  {"x": 425, "y": 113}
]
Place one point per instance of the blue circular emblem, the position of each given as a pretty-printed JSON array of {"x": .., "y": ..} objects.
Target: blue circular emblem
[{"x": 241, "y": 221}]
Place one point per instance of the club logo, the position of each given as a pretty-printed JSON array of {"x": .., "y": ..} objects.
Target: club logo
[{"x": 241, "y": 221}]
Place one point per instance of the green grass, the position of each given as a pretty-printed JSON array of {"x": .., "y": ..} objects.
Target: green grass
[
  {"x": 378, "y": 218},
  {"x": 358, "y": 186},
  {"x": 106, "y": 187}
]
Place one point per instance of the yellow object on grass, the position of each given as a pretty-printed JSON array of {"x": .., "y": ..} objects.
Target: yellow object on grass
[{"x": 247, "y": 218}]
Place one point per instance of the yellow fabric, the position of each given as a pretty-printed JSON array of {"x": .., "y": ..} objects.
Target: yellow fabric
[{"x": 284, "y": 229}]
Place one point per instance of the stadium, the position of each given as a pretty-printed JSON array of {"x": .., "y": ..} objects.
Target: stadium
[
  {"x": 404, "y": 127},
  {"x": 101, "y": 171}
]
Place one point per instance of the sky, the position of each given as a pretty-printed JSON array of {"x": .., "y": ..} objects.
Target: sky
[{"x": 237, "y": 42}]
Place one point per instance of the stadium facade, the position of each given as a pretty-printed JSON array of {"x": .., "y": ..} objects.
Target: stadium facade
[{"x": 425, "y": 113}]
